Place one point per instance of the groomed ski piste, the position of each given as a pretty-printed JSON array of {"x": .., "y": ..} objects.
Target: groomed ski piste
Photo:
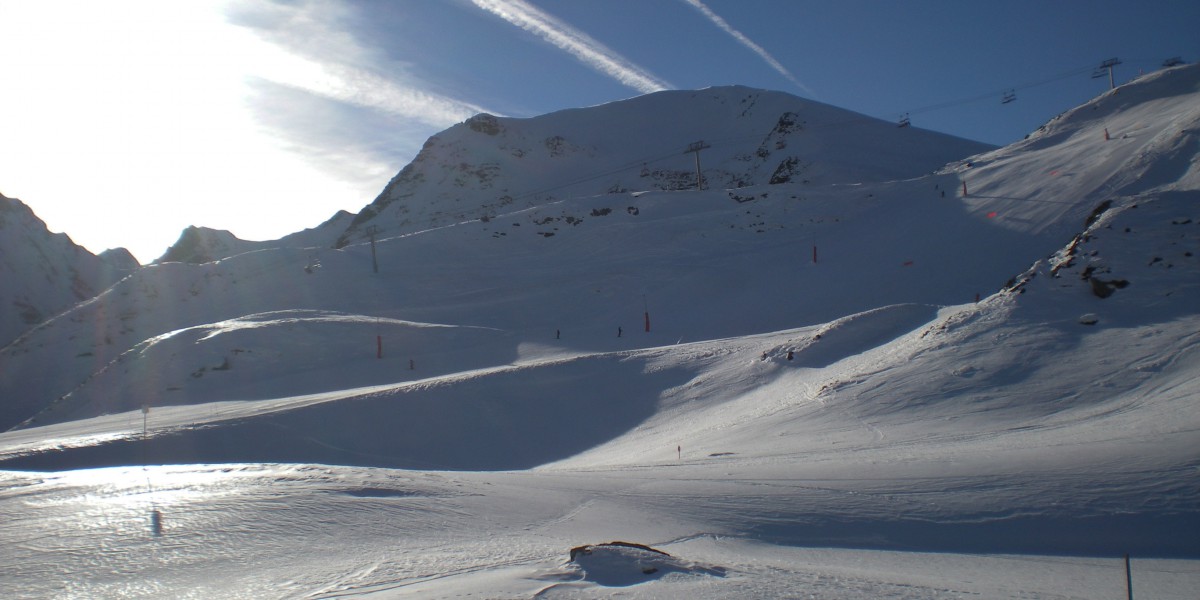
[{"x": 821, "y": 407}]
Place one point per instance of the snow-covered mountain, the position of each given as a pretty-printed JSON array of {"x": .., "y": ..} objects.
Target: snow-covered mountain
[
  {"x": 46, "y": 273},
  {"x": 202, "y": 244},
  {"x": 901, "y": 347},
  {"x": 757, "y": 132},
  {"x": 491, "y": 165},
  {"x": 487, "y": 165},
  {"x": 199, "y": 245}
]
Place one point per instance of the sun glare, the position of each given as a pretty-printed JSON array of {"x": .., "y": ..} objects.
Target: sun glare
[{"x": 133, "y": 115}]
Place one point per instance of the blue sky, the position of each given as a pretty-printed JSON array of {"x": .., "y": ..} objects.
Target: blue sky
[{"x": 125, "y": 121}]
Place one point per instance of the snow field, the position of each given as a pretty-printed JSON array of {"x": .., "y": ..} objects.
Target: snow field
[{"x": 918, "y": 444}]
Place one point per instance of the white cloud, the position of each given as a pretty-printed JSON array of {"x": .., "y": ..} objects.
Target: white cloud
[
  {"x": 747, "y": 42},
  {"x": 126, "y": 121},
  {"x": 589, "y": 51},
  {"x": 301, "y": 46}
]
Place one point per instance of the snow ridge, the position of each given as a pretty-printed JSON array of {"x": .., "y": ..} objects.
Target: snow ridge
[{"x": 776, "y": 384}]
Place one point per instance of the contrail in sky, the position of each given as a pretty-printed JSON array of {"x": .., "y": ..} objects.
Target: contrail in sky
[
  {"x": 300, "y": 46},
  {"x": 747, "y": 42},
  {"x": 363, "y": 88},
  {"x": 582, "y": 46}
]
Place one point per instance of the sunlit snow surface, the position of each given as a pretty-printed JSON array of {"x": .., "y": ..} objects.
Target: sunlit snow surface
[
  {"x": 851, "y": 428},
  {"x": 778, "y": 485},
  {"x": 312, "y": 531}
]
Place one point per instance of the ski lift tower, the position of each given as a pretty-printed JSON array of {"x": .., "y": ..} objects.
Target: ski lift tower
[
  {"x": 697, "y": 147},
  {"x": 371, "y": 231},
  {"x": 1109, "y": 64}
]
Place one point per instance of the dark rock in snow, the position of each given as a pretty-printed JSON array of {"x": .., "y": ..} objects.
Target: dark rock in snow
[
  {"x": 621, "y": 564},
  {"x": 1104, "y": 289}
]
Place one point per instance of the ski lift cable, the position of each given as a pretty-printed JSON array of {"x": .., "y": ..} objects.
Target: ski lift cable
[
  {"x": 1024, "y": 86},
  {"x": 904, "y": 116},
  {"x": 867, "y": 118},
  {"x": 1153, "y": 62},
  {"x": 957, "y": 102}
]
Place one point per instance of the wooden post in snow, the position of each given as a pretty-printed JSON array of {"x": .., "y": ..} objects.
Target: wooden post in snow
[
  {"x": 646, "y": 312},
  {"x": 1128, "y": 579}
]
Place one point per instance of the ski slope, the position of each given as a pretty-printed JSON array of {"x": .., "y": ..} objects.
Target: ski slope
[{"x": 857, "y": 426}]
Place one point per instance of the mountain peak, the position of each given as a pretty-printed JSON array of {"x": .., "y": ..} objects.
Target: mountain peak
[
  {"x": 489, "y": 165},
  {"x": 203, "y": 244}
]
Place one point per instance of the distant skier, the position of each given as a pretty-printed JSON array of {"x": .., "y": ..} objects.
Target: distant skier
[
  {"x": 557, "y": 334},
  {"x": 618, "y": 332},
  {"x": 789, "y": 356}
]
